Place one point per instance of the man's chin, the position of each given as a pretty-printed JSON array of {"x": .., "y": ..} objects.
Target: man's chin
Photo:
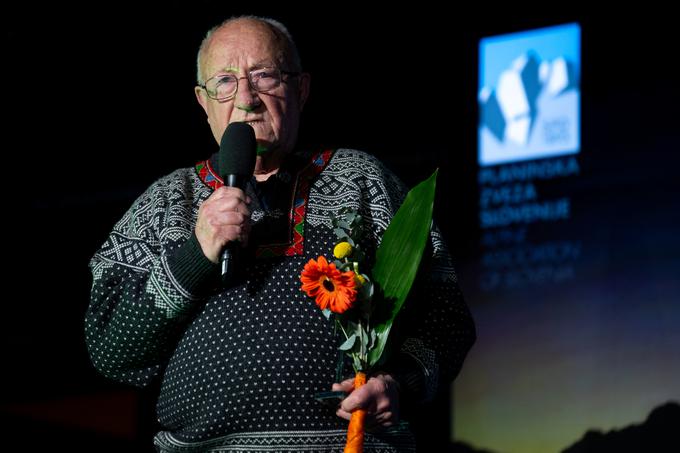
[
  {"x": 263, "y": 148},
  {"x": 267, "y": 148}
]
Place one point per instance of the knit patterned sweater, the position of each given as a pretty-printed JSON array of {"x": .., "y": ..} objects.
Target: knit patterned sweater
[{"x": 240, "y": 365}]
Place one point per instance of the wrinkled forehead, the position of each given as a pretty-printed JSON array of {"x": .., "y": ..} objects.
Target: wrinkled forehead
[{"x": 243, "y": 45}]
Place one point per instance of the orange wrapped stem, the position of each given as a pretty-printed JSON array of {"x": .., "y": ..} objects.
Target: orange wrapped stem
[{"x": 355, "y": 430}]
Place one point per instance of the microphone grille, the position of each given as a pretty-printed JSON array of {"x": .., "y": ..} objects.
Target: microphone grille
[{"x": 237, "y": 150}]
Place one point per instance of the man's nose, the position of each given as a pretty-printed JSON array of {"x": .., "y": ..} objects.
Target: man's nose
[{"x": 246, "y": 96}]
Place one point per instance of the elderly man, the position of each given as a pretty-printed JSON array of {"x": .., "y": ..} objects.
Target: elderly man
[{"x": 240, "y": 364}]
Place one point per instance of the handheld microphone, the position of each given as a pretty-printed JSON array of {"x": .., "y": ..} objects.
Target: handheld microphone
[{"x": 236, "y": 164}]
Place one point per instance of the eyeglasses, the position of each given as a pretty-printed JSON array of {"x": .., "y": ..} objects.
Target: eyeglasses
[{"x": 224, "y": 87}]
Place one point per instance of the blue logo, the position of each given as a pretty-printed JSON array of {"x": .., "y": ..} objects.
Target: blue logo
[{"x": 529, "y": 95}]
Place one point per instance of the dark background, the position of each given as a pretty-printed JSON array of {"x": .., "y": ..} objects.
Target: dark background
[{"x": 99, "y": 102}]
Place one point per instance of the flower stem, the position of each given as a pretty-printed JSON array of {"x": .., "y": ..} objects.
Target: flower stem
[{"x": 337, "y": 322}]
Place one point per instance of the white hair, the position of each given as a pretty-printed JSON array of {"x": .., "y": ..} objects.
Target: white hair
[{"x": 287, "y": 46}]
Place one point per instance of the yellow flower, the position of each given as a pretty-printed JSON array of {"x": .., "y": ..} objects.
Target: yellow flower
[
  {"x": 359, "y": 279},
  {"x": 342, "y": 250}
]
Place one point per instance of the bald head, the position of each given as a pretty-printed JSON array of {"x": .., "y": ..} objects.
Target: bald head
[
  {"x": 270, "y": 32},
  {"x": 262, "y": 52}
]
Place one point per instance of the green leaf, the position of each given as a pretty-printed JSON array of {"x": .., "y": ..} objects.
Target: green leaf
[
  {"x": 398, "y": 258},
  {"x": 356, "y": 363},
  {"x": 326, "y": 312},
  {"x": 349, "y": 343},
  {"x": 366, "y": 291},
  {"x": 364, "y": 338},
  {"x": 374, "y": 336}
]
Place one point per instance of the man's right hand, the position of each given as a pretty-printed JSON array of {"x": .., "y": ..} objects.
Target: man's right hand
[{"x": 222, "y": 218}]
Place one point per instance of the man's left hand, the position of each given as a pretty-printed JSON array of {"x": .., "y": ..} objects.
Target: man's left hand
[{"x": 379, "y": 397}]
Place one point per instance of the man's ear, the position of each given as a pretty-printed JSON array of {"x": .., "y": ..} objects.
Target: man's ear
[
  {"x": 202, "y": 98},
  {"x": 305, "y": 80}
]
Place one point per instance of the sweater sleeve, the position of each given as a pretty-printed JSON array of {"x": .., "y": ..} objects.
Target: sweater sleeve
[
  {"x": 147, "y": 277},
  {"x": 442, "y": 331},
  {"x": 436, "y": 328}
]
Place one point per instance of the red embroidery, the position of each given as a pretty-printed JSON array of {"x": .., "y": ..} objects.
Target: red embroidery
[{"x": 299, "y": 206}]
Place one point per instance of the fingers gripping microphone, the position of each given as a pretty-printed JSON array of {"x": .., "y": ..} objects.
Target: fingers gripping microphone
[{"x": 236, "y": 163}]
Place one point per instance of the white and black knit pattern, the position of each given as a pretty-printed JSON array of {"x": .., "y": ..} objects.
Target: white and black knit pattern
[
  {"x": 293, "y": 442},
  {"x": 247, "y": 360},
  {"x": 358, "y": 181}
]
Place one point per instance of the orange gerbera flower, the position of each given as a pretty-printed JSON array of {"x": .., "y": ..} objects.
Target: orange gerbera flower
[{"x": 331, "y": 288}]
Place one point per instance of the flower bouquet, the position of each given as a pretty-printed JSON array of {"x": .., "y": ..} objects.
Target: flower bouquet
[{"x": 364, "y": 304}]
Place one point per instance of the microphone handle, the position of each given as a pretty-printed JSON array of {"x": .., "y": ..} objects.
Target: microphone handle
[
  {"x": 231, "y": 250},
  {"x": 228, "y": 260},
  {"x": 233, "y": 180}
]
